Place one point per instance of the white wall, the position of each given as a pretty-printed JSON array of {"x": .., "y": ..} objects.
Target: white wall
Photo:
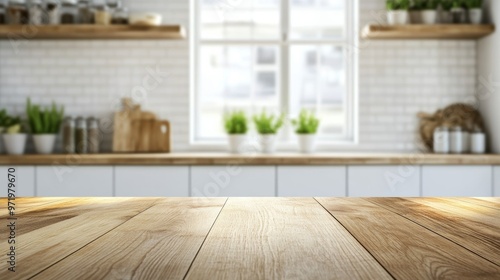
[
  {"x": 397, "y": 78},
  {"x": 489, "y": 77}
]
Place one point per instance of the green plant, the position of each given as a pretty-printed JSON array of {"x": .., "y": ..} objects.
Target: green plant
[
  {"x": 268, "y": 124},
  {"x": 417, "y": 5},
  {"x": 431, "y": 4},
  {"x": 236, "y": 123},
  {"x": 392, "y": 5},
  {"x": 307, "y": 123},
  {"x": 447, "y": 4},
  {"x": 9, "y": 124},
  {"x": 44, "y": 121},
  {"x": 456, "y": 4},
  {"x": 474, "y": 4}
]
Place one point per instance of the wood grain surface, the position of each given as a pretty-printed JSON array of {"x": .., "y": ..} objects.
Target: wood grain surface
[
  {"x": 423, "y": 31},
  {"x": 255, "y": 238}
]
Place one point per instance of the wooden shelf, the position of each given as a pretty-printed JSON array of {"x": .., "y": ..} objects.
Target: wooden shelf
[
  {"x": 75, "y": 32},
  {"x": 421, "y": 31}
]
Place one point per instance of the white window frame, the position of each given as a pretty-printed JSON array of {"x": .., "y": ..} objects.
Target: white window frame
[{"x": 350, "y": 45}]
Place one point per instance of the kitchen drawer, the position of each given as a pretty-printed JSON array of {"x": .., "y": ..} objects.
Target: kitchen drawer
[
  {"x": 233, "y": 181},
  {"x": 307, "y": 181},
  {"x": 384, "y": 181},
  {"x": 152, "y": 181},
  {"x": 25, "y": 180},
  {"x": 69, "y": 181},
  {"x": 457, "y": 180}
]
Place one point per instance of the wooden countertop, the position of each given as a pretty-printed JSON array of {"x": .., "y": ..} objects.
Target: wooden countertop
[
  {"x": 255, "y": 238},
  {"x": 251, "y": 159}
]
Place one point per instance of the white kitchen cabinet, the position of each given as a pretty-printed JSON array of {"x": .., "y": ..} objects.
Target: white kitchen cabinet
[
  {"x": 70, "y": 181},
  {"x": 384, "y": 181},
  {"x": 496, "y": 181},
  {"x": 233, "y": 181},
  {"x": 307, "y": 181},
  {"x": 152, "y": 181},
  {"x": 25, "y": 180},
  {"x": 457, "y": 180}
]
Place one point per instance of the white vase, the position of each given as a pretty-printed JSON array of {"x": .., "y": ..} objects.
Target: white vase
[
  {"x": 14, "y": 143},
  {"x": 237, "y": 143},
  {"x": 429, "y": 16},
  {"x": 44, "y": 143},
  {"x": 268, "y": 143},
  {"x": 307, "y": 142},
  {"x": 476, "y": 16},
  {"x": 397, "y": 17},
  {"x": 415, "y": 17},
  {"x": 445, "y": 17}
]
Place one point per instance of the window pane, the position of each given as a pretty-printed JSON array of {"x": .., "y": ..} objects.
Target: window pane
[
  {"x": 240, "y": 19},
  {"x": 317, "y": 82},
  {"x": 317, "y": 19}
]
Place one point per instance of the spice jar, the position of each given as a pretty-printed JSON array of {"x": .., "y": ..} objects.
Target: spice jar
[
  {"x": 441, "y": 140},
  {"x": 102, "y": 15},
  {"x": 85, "y": 12},
  {"x": 120, "y": 16},
  {"x": 2, "y": 13},
  {"x": 52, "y": 10},
  {"x": 69, "y": 135},
  {"x": 81, "y": 138},
  {"x": 69, "y": 12},
  {"x": 478, "y": 141},
  {"x": 35, "y": 11},
  {"x": 456, "y": 145},
  {"x": 17, "y": 13},
  {"x": 93, "y": 136}
]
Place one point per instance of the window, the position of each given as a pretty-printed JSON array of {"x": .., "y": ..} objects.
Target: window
[{"x": 278, "y": 56}]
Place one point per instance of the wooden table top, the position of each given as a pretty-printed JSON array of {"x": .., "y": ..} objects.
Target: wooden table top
[{"x": 255, "y": 238}]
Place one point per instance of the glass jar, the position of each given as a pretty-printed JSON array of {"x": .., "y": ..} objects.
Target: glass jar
[
  {"x": 2, "y": 12},
  {"x": 85, "y": 12},
  {"x": 35, "y": 11},
  {"x": 69, "y": 12},
  {"x": 93, "y": 135},
  {"x": 113, "y": 5},
  {"x": 52, "y": 12},
  {"x": 69, "y": 135},
  {"x": 17, "y": 12},
  {"x": 120, "y": 16},
  {"x": 81, "y": 137},
  {"x": 102, "y": 15}
]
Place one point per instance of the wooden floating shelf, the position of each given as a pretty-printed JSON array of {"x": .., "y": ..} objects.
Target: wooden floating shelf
[
  {"x": 421, "y": 31},
  {"x": 75, "y": 32}
]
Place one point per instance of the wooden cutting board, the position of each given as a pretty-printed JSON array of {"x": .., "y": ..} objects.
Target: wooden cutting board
[{"x": 151, "y": 136}]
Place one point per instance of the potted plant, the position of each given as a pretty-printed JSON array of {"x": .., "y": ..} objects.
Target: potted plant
[
  {"x": 13, "y": 136},
  {"x": 429, "y": 12},
  {"x": 458, "y": 11},
  {"x": 236, "y": 125},
  {"x": 397, "y": 11},
  {"x": 45, "y": 125},
  {"x": 445, "y": 16},
  {"x": 268, "y": 126},
  {"x": 416, "y": 11},
  {"x": 475, "y": 11},
  {"x": 306, "y": 126}
]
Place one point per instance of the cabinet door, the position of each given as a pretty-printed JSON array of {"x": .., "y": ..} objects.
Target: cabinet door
[
  {"x": 68, "y": 181},
  {"x": 457, "y": 180},
  {"x": 384, "y": 181},
  {"x": 25, "y": 180},
  {"x": 496, "y": 181},
  {"x": 152, "y": 181},
  {"x": 303, "y": 181},
  {"x": 233, "y": 181}
]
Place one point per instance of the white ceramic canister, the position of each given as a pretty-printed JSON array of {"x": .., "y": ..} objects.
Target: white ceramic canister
[
  {"x": 478, "y": 142},
  {"x": 456, "y": 144},
  {"x": 441, "y": 140}
]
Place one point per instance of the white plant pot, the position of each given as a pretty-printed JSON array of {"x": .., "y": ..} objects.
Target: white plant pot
[
  {"x": 476, "y": 16},
  {"x": 415, "y": 17},
  {"x": 397, "y": 17},
  {"x": 15, "y": 143},
  {"x": 268, "y": 143},
  {"x": 307, "y": 142},
  {"x": 445, "y": 17},
  {"x": 429, "y": 16},
  {"x": 44, "y": 143},
  {"x": 237, "y": 143}
]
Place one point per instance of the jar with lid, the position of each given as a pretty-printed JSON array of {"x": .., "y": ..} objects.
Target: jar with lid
[
  {"x": 52, "y": 9},
  {"x": 85, "y": 12},
  {"x": 102, "y": 15},
  {"x": 456, "y": 146},
  {"x": 441, "y": 140},
  {"x": 69, "y": 12},
  {"x": 120, "y": 16},
  {"x": 35, "y": 10},
  {"x": 2, "y": 12},
  {"x": 81, "y": 138},
  {"x": 69, "y": 135},
  {"x": 93, "y": 135},
  {"x": 477, "y": 141},
  {"x": 17, "y": 12}
]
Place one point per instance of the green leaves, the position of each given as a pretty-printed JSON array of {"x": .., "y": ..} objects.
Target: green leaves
[
  {"x": 473, "y": 4},
  {"x": 9, "y": 124},
  {"x": 236, "y": 122},
  {"x": 268, "y": 124},
  {"x": 307, "y": 123},
  {"x": 44, "y": 121},
  {"x": 392, "y": 5}
]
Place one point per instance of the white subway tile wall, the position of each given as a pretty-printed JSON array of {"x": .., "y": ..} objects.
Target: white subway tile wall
[{"x": 397, "y": 79}]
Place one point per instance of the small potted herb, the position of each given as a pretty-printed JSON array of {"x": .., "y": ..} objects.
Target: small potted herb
[
  {"x": 397, "y": 11},
  {"x": 306, "y": 126},
  {"x": 429, "y": 12},
  {"x": 445, "y": 16},
  {"x": 268, "y": 126},
  {"x": 458, "y": 11},
  {"x": 13, "y": 135},
  {"x": 416, "y": 11},
  {"x": 236, "y": 125},
  {"x": 45, "y": 125},
  {"x": 475, "y": 11}
]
